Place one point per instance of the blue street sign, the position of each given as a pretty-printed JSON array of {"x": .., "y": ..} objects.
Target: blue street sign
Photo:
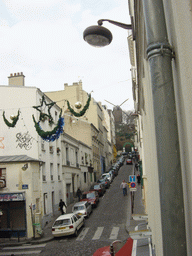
[
  {"x": 25, "y": 186},
  {"x": 132, "y": 178}
]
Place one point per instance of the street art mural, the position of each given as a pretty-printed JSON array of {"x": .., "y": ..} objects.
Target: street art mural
[{"x": 24, "y": 140}]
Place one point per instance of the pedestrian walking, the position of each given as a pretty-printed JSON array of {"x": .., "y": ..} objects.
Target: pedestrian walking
[
  {"x": 138, "y": 178},
  {"x": 61, "y": 205},
  {"x": 79, "y": 193},
  {"x": 124, "y": 187}
]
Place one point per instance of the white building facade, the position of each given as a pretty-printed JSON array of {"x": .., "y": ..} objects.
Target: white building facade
[{"x": 39, "y": 185}]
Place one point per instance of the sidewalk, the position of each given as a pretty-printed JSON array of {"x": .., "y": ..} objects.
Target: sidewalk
[
  {"x": 141, "y": 247},
  {"x": 46, "y": 237}
]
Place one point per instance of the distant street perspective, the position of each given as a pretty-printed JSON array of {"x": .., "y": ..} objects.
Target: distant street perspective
[
  {"x": 106, "y": 223},
  {"x": 95, "y": 128}
]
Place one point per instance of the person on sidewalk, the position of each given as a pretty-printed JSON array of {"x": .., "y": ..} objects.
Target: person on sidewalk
[
  {"x": 61, "y": 205},
  {"x": 79, "y": 193},
  {"x": 138, "y": 178},
  {"x": 124, "y": 187}
]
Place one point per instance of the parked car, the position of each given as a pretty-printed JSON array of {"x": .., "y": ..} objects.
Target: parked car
[
  {"x": 100, "y": 188},
  {"x": 129, "y": 161},
  {"x": 111, "y": 172},
  {"x": 67, "y": 224},
  {"x": 82, "y": 208},
  {"x": 105, "y": 182},
  {"x": 91, "y": 197},
  {"x": 106, "y": 175},
  {"x": 115, "y": 172}
]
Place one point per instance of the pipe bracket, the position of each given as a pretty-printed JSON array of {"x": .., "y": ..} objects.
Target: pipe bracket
[{"x": 160, "y": 49}]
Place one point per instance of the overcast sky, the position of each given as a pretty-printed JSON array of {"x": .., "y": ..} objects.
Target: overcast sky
[{"x": 44, "y": 40}]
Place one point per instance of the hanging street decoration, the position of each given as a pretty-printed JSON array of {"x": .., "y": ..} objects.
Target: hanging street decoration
[
  {"x": 44, "y": 116},
  {"x": 78, "y": 105},
  {"x": 14, "y": 118},
  {"x": 82, "y": 112},
  {"x": 50, "y": 135}
]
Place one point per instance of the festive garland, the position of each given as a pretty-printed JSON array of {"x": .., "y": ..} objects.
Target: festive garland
[
  {"x": 43, "y": 116},
  {"x": 50, "y": 135},
  {"x": 15, "y": 119},
  {"x": 82, "y": 112}
]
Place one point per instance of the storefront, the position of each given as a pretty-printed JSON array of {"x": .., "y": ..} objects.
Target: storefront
[{"x": 12, "y": 215}]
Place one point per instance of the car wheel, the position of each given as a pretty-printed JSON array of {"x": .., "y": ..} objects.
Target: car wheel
[{"x": 76, "y": 233}]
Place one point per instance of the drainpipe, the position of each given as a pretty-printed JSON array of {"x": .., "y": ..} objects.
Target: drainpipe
[{"x": 168, "y": 155}]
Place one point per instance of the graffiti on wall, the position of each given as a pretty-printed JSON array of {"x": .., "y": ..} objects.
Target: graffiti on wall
[
  {"x": 24, "y": 140},
  {"x": 1, "y": 143}
]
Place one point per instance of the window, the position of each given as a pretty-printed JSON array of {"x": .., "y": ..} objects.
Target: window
[
  {"x": 51, "y": 171},
  {"x": 75, "y": 218},
  {"x": 2, "y": 177},
  {"x": 85, "y": 177},
  {"x": 67, "y": 154},
  {"x": 45, "y": 199},
  {"x": 43, "y": 172},
  {"x": 58, "y": 171}
]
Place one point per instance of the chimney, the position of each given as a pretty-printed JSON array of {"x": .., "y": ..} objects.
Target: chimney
[{"x": 18, "y": 79}]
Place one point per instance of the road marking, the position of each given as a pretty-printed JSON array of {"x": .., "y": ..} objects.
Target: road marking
[
  {"x": 24, "y": 247},
  {"x": 19, "y": 253},
  {"x": 114, "y": 233},
  {"x": 98, "y": 233},
  {"x": 82, "y": 235},
  {"x": 134, "y": 248}
]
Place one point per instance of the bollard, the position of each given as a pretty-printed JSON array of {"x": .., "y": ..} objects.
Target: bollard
[{"x": 111, "y": 250}]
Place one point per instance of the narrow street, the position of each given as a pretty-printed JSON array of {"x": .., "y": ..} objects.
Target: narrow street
[{"x": 106, "y": 223}]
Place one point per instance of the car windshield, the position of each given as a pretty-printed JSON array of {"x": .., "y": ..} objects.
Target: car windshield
[
  {"x": 62, "y": 222},
  {"x": 78, "y": 208},
  {"x": 90, "y": 195},
  {"x": 97, "y": 187},
  {"x": 101, "y": 181}
]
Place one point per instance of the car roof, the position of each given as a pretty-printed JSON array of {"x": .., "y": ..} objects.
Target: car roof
[
  {"x": 65, "y": 216},
  {"x": 80, "y": 203},
  {"x": 87, "y": 192}
]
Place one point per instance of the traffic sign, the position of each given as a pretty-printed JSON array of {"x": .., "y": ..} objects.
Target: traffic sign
[
  {"x": 132, "y": 178},
  {"x": 133, "y": 189},
  {"x": 133, "y": 184}
]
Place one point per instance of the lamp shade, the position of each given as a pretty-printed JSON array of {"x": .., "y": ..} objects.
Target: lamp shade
[{"x": 97, "y": 36}]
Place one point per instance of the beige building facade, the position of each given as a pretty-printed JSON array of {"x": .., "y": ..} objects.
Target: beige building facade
[{"x": 95, "y": 133}]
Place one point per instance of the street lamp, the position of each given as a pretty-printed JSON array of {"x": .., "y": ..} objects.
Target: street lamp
[{"x": 99, "y": 36}]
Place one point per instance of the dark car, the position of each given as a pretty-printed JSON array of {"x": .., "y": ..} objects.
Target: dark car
[
  {"x": 91, "y": 197},
  {"x": 100, "y": 188},
  {"x": 105, "y": 182}
]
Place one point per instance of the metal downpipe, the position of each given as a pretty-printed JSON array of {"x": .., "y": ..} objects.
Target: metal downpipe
[{"x": 168, "y": 153}]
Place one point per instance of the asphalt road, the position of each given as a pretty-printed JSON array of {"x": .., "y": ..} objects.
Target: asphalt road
[{"x": 105, "y": 224}]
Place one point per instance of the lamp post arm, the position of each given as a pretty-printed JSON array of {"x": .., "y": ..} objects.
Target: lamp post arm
[{"x": 119, "y": 24}]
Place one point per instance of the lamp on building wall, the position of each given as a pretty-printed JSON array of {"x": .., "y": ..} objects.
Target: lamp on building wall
[
  {"x": 25, "y": 166},
  {"x": 99, "y": 36}
]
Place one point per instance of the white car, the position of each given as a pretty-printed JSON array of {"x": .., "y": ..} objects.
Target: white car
[
  {"x": 67, "y": 224},
  {"x": 106, "y": 176},
  {"x": 82, "y": 208}
]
